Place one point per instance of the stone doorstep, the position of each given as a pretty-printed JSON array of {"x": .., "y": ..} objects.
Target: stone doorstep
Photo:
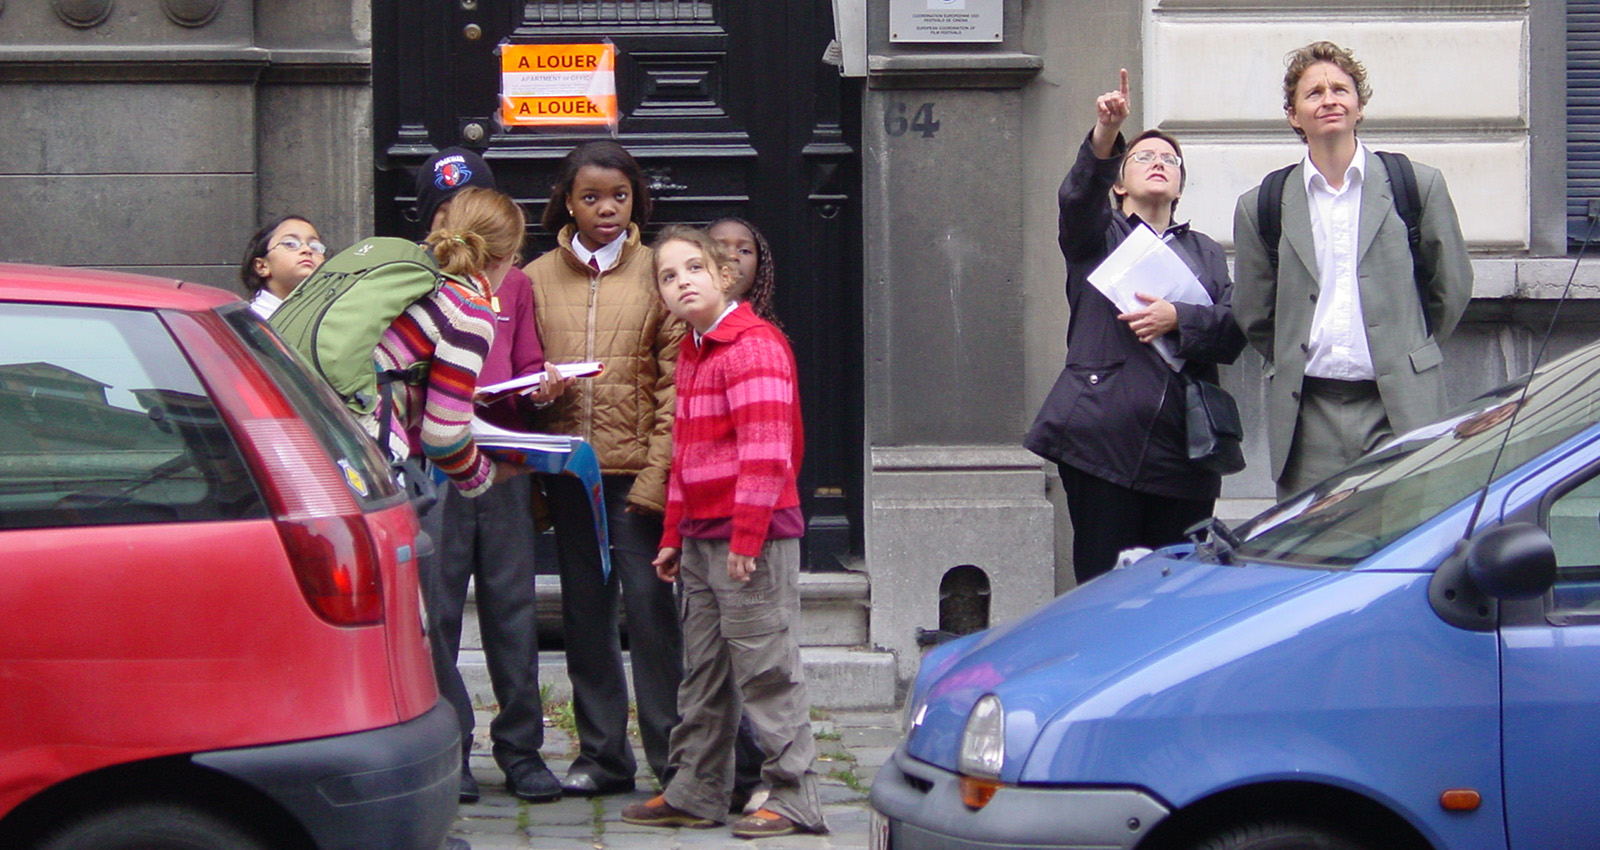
[
  {"x": 834, "y": 610},
  {"x": 837, "y": 679},
  {"x": 840, "y": 672}
]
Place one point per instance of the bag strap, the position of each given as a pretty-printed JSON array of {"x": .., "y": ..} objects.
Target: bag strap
[
  {"x": 412, "y": 376},
  {"x": 412, "y": 473},
  {"x": 1408, "y": 203},
  {"x": 1269, "y": 212}
]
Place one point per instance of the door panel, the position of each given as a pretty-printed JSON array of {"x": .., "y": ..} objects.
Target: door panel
[{"x": 1551, "y": 685}]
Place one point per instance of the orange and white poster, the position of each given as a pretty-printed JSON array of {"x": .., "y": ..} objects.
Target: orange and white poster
[{"x": 558, "y": 84}]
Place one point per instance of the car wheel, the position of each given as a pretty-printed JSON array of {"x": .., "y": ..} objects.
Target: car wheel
[
  {"x": 1279, "y": 835},
  {"x": 151, "y": 826}
]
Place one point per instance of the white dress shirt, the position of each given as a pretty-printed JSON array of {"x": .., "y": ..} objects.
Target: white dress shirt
[
  {"x": 265, "y": 303},
  {"x": 606, "y": 257},
  {"x": 725, "y": 311},
  {"x": 1338, "y": 344}
]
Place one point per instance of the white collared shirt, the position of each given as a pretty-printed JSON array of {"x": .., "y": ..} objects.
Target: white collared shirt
[
  {"x": 725, "y": 311},
  {"x": 606, "y": 257},
  {"x": 265, "y": 303},
  {"x": 1338, "y": 344}
]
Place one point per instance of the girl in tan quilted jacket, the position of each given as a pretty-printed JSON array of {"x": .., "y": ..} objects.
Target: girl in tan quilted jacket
[{"x": 595, "y": 299}]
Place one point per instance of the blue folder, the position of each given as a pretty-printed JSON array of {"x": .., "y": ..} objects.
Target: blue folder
[{"x": 579, "y": 460}]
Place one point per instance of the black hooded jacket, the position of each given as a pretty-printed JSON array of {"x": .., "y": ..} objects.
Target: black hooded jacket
[{"x": 1116, "y": 411}]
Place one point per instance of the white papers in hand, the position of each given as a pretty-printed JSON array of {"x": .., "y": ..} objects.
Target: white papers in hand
[
  {"x": 1145, "y": 263},
  {"x": 530, "y": 382},
  {"x": 490, "y": 436}
]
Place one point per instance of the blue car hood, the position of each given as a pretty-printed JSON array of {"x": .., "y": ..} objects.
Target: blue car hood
[{"x": 1046, "y": 662}]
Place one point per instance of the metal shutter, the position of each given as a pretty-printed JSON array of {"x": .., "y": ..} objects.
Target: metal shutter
[{"x": 1583, "y": 112}]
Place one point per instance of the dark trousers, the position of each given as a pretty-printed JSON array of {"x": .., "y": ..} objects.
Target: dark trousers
[
  {"x": 589, "y": 619},
  {"x": 489, "y": 540},
  {"x": 747, "y": 759},
  {"x": 1107, "y": 518}
]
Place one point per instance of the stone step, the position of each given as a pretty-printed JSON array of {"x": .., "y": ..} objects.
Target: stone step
[
  {"x": 834, "y": 611},
  {"x": 836, "y": 678},
  {"x": 840, "y": 673}
]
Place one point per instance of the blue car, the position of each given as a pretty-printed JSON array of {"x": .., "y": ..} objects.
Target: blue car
[{"x": 1405, "y": 656}]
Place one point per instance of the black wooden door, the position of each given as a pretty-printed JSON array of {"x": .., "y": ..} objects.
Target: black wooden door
[{"x": 729, "y": 108}]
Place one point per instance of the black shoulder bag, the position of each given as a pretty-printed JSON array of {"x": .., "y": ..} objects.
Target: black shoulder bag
[{"x": 1211, "y": 417}]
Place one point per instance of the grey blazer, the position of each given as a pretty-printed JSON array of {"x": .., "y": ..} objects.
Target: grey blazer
[{"x": 1275, "y": 313}]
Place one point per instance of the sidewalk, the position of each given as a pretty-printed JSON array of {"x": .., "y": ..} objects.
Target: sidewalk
[{"x": 851, "y": 747}]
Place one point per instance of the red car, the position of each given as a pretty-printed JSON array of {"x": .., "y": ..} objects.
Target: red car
[{"x": 211, "y": 633}]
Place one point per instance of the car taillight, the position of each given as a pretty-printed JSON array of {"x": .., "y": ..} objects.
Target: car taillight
[
  {"x": 336, "y": 567},
  {"x": 334, "y": 557},
  {"x": 324, "y": 532}
]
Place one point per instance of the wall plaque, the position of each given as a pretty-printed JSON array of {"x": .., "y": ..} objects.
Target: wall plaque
[{"x": 946, "y": 21}]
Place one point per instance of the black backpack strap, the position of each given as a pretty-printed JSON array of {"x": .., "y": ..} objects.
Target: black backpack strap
[
  {"x": 387, "y": 377},
  {"x": 1408, "y": 203},
  {"x": 1269, "y": 212},
  {"x": 1407, "y": 200},
  {"x": 413, "y": 473}
]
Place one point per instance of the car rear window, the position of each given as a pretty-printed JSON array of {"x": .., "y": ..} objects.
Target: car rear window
[
  {"x": 103, "y": 421},
  {"x": 366, "y": 469}
]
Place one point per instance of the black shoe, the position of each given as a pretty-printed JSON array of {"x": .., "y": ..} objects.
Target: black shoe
[
  {"x": 469, "y": 786},
  {"x": 584, "y": 785},
  {"x": 530, "y": 780},
  {"x": 453, "y": 843}
]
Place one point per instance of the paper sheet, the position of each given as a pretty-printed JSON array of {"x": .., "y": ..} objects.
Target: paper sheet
[
  {"x": 1145, "y": 263},
  {"x": 530, "y": 382}
]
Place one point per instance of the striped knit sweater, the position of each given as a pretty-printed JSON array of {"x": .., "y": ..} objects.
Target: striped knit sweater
[
  {"x": 453, "y": 329},
  {"x": 737, "y": 438}
]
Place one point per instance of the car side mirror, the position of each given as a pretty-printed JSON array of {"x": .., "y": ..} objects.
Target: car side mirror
[
  {"x": 1514, "y": 561},
  {"x": 1511, "y": 561}
]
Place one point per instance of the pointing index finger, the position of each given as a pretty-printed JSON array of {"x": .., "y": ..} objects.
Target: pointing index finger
[{"x": 1123, "y": 87}]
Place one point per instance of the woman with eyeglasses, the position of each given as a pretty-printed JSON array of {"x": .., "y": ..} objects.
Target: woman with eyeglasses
[
  {"x": 277, "y": 258},
  {"x": 1114, "y": 421}
]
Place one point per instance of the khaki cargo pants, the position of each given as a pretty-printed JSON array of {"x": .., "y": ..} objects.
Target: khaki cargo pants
[{"x": 741, "y": 654}]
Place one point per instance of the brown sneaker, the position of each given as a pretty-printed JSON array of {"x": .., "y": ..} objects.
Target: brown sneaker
[
  {"x": 657, "y": 812},
  {"x": 763, "y": 823}
]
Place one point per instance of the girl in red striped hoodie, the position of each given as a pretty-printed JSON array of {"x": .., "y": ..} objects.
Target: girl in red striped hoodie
[{"x": 732, "y": 539}]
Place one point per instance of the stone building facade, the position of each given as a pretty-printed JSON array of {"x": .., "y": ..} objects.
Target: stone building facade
[{"x": 152, "y": 135}]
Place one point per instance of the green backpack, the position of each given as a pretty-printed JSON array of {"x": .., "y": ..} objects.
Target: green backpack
[{"x": 336, "y": 317}]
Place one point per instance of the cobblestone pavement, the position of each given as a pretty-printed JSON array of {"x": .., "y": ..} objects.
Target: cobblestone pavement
[{"x": 852, "y": 745}]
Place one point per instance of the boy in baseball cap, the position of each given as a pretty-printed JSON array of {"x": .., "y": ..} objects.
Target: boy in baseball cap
[{"x": 444, "y": 174}]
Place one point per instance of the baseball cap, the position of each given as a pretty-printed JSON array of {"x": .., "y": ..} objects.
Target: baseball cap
[{"x": 446, "y": 173}]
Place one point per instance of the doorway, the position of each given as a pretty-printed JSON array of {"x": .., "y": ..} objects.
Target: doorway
[{"x": 730, "y": 110}]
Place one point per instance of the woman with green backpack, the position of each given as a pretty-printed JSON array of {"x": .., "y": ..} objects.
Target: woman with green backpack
[{"x": 475, "y": 245}]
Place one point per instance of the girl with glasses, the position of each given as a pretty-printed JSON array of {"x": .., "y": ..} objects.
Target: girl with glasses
[
  {"x": 1114, "y": 421},
  {"x": 277, "y": 258}
]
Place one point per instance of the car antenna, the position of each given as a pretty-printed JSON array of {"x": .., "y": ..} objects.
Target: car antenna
[{"x": 1538, "y": 357}]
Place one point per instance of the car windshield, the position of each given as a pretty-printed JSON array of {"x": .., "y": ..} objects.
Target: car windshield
[{"x": 1415, "y": 477}]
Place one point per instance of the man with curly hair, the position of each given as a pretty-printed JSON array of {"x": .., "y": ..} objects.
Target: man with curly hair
[{"x": 1349, "y": 332}]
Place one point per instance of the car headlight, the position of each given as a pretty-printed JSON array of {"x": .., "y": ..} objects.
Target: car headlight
[{"x": 983, "y": 742}]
